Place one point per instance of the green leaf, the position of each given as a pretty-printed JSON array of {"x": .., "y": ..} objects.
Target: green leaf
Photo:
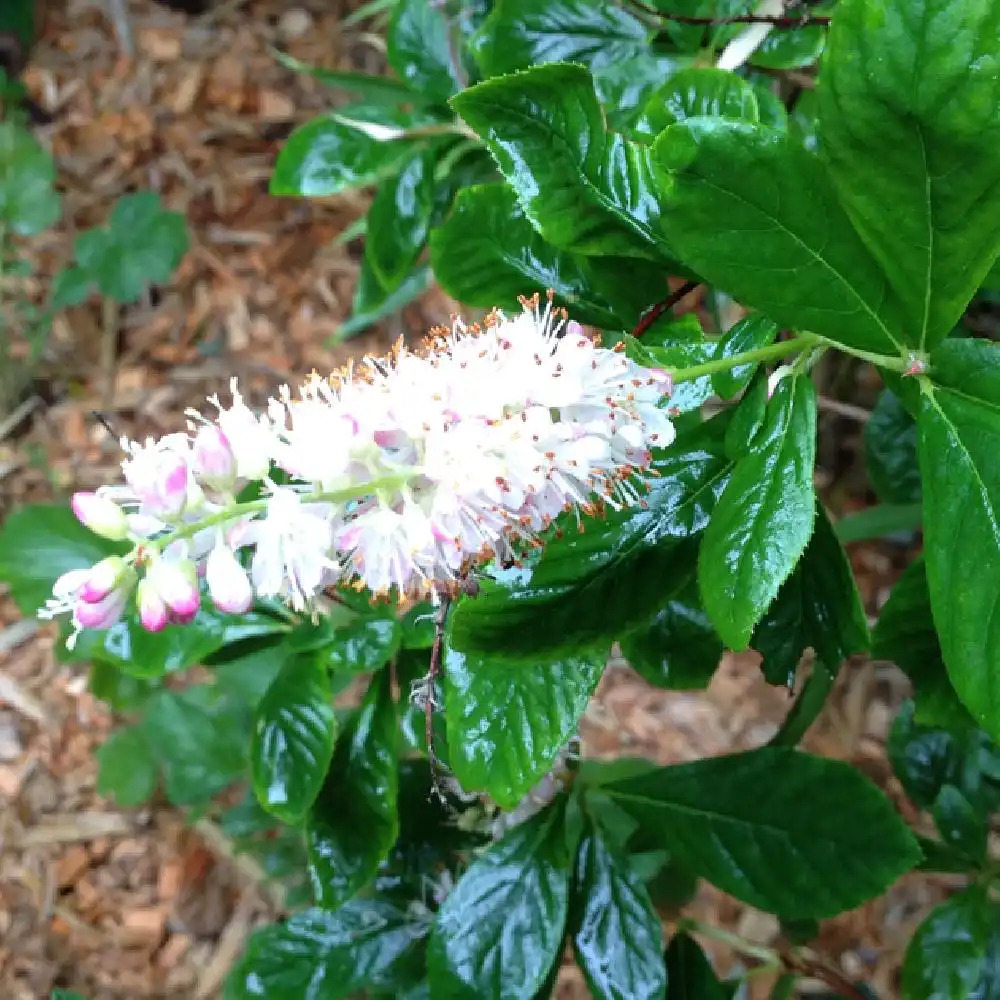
[
  {"x": 590, "y": 587},
  {"x": 763, "y": 183},
  {"x": 892, "y": 135},
  {"x": 952, "y": 954},
  {"x": 764, "y": 518},
  {"x": 353, "y": 824},
  {"x": 375, "y": 302},
  {"x": 28, "y": 200},
  {"x": 322, "y": 954},
  {"x": 39, "y": 543},
  {"x": 127, "y": 768},
  {"x": 793, "y": 834},
  {"x": 500, "y": 930},
  {"x": 615, "y": 930},
  {"x": 582, "y": 187},
  {"x": 142, "y": 245},
  {"x": 508, "y": 719},
  {"x": 364, "y": 645},
  {"x": 520, "y": 34},
  {"x": 818, "y": 606},
  {"x": 293, "y": 738},
  {"x": 891, "y": 451},
  {"x": 693, "y": 93},
  {"x": 690, "y": 973},
  {"x": 420, "y": 50},
  {"x": 678, "y": 649},
  {"x": 486, "y": 253},
  {"x": 959, "y": 428},
  {"x": 18, "y": 18},
  {"x": 880, "y": 521},
  {"x": 71, "y": 286},
  {"x": 376, "y": 89},
  {"x": 749, "y": 334},
  {"x": 122, "y": 692},
  {"x": 399, "y": 219},
  {"x": 791, "y": 49},
  {"x": 905, "y": 634},
  {"x": 328, "y": 155},
  {"x": 960, "y": 824}
]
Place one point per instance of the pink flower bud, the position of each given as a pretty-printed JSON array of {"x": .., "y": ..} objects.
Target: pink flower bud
[
  {"x": 102, "y": 578},
  {"x": 176, "y": 583},
  {"x": 101, "y": 515},
  {"x": 574, "y": 329},
  {"x": 228, "y": 583},
  {"x": 159, "y": 477},
  {"x": 214, "y": 461},
  {"x": 152, "y": 611},
  {"x": 101, "y": 614}
]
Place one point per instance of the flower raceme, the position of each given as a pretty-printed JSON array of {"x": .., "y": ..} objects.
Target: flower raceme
[{"x": 399, "y": 476}]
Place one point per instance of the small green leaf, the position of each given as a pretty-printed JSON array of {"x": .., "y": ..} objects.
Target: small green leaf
[
  {"x": 892, "y": 135},
  {"x": 694, "y": 92},
  {"x": 955, "y": 950},
  {"x": 763, "y": 183},
  {"x": 960, "y": 824},
  {"x": 520, "y": 34},
  {"x": 319, "y": 953},
  {"x": 507, "y": 720},
  {"x": 583, "y": 188},
  {"x": 880, "y": 521},
  {"x": 376, "y": 89},
  {"x": 764, "y": 519},
  {"x": 793, "y": 834},
  {"x": 791, "y": 49},
  {"x": 71, "y": 286},
  {"x": 959, "y": 428},
  {"x": 905, "y": 634},
  {"x": 924, "y": 759},
  {"x": 749, "y": 334},
  {"x": 353, "y": 824},
  {"x": 689, "y": 971},
  {"x": 500, "y": 930},
  {"x": 28, "y": 200},
  {"x": 364, "y": 645},
  {"x": 420, "y": 50},
  {"x": 373, "y": 302},
  {"x": 616, "y": 932},
  {"x": 399, "y": 219},
  {"x": 127, "y": 768},
  {"x": 818, "y": 606},
  {"x": 891, "y": 451},
  {"x": 39, "y": 543},
  {"x": 122, "y": 692},
  {"x": 293, "y": 738}
]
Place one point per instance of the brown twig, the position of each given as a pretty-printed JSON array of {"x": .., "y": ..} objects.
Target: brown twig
[
  {"x": 653, "y": 313},
  {"x": 825, "y": 974},
  {"x": 779, "y": 21}
]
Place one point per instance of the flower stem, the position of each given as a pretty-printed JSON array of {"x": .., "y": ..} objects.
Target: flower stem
[{"x": 770, "y": 353}]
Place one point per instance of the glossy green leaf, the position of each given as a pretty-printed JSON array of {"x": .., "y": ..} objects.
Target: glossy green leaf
[
  {"x": 959, "y": 428},
  {"x": 677, "y": 343},
  {"x": 791, "y": 49},
  {"x": 420, "y": 50},
  {"x": 375, "y": 89},
  {"x": 353, "y": 824},
  {"x": 142, "y": 245},
  {"x": 960, "y": 824},
  {"x": 500, "y": 930},
  {"x": 123, "y": 693},
  {"x": 820, "y": 840},
  {"x": 623, "y": 87},
  {"x": 694, "y": 92},
  {"x": 678, "y": 649},
  {"x": 818, "y": 606},
  {"x": 891, "y": 451},
  {"x": 508, "y": 719},
  {"x": 324, "y": 955},
  {"x": 880, "y": 521},
  {"x": 417, "y": 626},
  {"x": 293, "y": 738},
  {"x": 615, "y": 930},
  {"x": 28, "y": 200},
  {"x": 764, "y": 519},
  {"x": 327, "y": 156},
  {"x": 766, "y": 186},
  {"x": 748, "y": 334},
  {"x": 399, "y": 219},
  {"x": 127, "y": 768},
  {"x": 690, "y": 973},
  {"x": 590, "y": 587},
  {"x": 38, "y": 543},
  {"x": 520, "y": 34},
  {"x": 486, "y": 253},
  {"x": 364, "y": 644},
  {"x": 583, "y": 188},
  {"x": 377, "y": 302},
  {"x": 893, "y": 135},
  {"x": 924, "y": 759},
  {"x": 951, "y": 954},
  {"x": 905, "y": 634}
]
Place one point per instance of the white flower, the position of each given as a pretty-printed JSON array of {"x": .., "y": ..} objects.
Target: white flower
[
  {"x": 251, "y": 438},
  {"x": 228, "y": 583}
]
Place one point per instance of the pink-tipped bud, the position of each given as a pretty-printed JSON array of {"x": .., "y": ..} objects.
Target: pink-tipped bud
[
  {"x": 228, "y": 583},
  {"x": 160, "y": 478},
  {"x": 153, "y": 613},
  {"x": 176, "y": 583},
  {"x": 101, "y": 515},
  {"x": 574, "y": 329},
  {"x": 102, "y": 578},
  {"x": 101, "y": 614},
  {"x": 214, "y": 461}
]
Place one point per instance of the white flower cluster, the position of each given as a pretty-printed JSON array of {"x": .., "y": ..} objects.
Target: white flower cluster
[{"x": 403, "y": 474}]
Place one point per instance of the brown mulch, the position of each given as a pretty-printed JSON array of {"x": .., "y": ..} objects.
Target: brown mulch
[{"x": 138, "y": 904}]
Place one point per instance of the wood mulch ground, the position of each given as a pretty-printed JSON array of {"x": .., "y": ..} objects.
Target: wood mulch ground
[{"x": 139, "y": 904}]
